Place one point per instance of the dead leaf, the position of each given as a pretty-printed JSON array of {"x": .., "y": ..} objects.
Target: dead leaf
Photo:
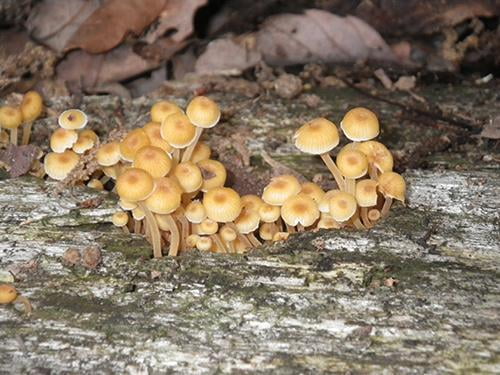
[
  {"x": 107, "y": 26},
  {"x": 383, "y": 78},
  {"x": 405, "y": 83},
  {"x": 317, "y": 35},
  {"x": 19, "y": 158},
  {"x": 492, "y": 129},
  {"x": 91, "y": 257}
]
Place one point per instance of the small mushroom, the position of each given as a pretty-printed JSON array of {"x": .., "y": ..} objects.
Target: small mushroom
[
  {"x": 360, "y": 124},
  {"x": 72, "y": 119},
  {"x": 11, "y": 118},
  {"x": 162, "y": 109},
  {"x": 9, "y": 295},
  {"x": 31, "y": 108}
]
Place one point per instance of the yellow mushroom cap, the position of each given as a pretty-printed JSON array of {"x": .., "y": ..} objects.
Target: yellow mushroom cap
[
  {"x": 108, "y": 154},
  {"x": 134, "y": 185},
  {"x": 203, "y": 112},
  {"x": 72, "y": 119},
  {"x": 153, "y": 160},
  {"x": 195, "y": 212},
  {"x": 59, "y": 165},
  {"x": 392, "y": 185},
  {"x": 222, "y": 204},
  {"x": 113, "y": 171},
  {"x": 95, "y": 184},
  {"x": 214, "y": 174},
  {"x": 8, "y": 294},
  {"x": 153, "y": 130},
  {"x": 374, "y": 214},
  {"x": 166, "y": 197},
  {"x": 280, "y": 236},
  {"x": 162, "y": 109},
  {"x": 83, "y": 144},
  {"x": 366, "y": 193},
  {"x": 312, "y": 190},
  {"x": 63, "y": 139},
  {"x": 317, "y": 137},
  {"x": 327, "y": 223},
  {"x": 251, "y": 202},
  {"x": 201, "y": 152},
  {"x": 10, "y": 117},
  {"x": 133, "y": 142},
  {"x": 377, "y": 154},
  {"x": 191, "y": 240},
  {"x": 267, "y": 231},
  {"x": 208, "y": 226},
  {"x": 324, "y": 203},
  {"x": 120, "y": 218},
  {"x": 178, "y": 131},
  {"x": 138, "y": 213},
  {"x": 352, "y": 163},
  {"x": 31, "y": 106},
  {"x": 247, "y": 221},
  {"x": 280, "y": 189},
  {"x": 269, "y": 213},
  {"x": 89, "y": 133},
  {"x": 126, "y": 205},
  {"x": 227, "y": 233},
  {"x": 189, "y": 176},
  {"x": 300, "y": 209},
  {"x": 360, "y": 124},
  {"x": 204, "y": 243},
  {"x": 342, "y": 206}
]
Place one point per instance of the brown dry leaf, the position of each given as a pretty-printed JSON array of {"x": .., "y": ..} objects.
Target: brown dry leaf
[
  {"x": 317, "y": 35},
  {"x": 19, "y": 158},
  {"x": 405, "y": 83},
  {"x": 109, "y": 24}
]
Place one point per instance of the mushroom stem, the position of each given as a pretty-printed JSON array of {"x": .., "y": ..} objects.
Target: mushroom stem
[
  {"x": 125, "y": 229},
  {"x": 218, "y": 242},
  {"x": 244, "y": 238},
  {"x": 230, "y": 244},
  {"x": 253, "y": 240},
  {"x": 13, "y": 136},
  {"x": 327, "y": 159},
  {"x": 189, "y": 151},
  {"x": 176, "y": 154},
  {"x": 290, "y": 229},
  {"x": 184, "y": 227},
  {"x": 137, "y": 226},
  {"x": 154, "y": 231},
  {"x": 386, "y": 207},
  {"x": 357, "y": 223},
  {"x": 372, "y": 172},
  {"x": 350, "y": 185},
  {"x": 27, "y": 305},
  {"x": 26, "y": 133},
  {"x": 300, "y": 228},
  {"x": 364, "y": 217},
  {"x": 174, "y": 236}
]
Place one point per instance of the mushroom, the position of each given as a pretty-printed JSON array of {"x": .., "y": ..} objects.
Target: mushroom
[
  {"x": 153, "y": 160},
  {"x": 190, "y": 179},
  {"x": 83, "y": 144},
  {"x": 366, "y": 196},
  {"x": 120, "y": 219},
  {"x": 153, "y": 132},
  {"x": 204, "y": 243},
  {"x": 229, "y": 235},
  {"x": 313, "y": 191},
  {"x": 108, "y": 154},
  {"x": 299, "y": 210},
  {"x": 59, "y": 165},
  {"x": 31, "y": 108},
  {"x": 162, "y": 109},
  {"x": 379, "y": 157},
  {"x": 246, "y": 223},
  {"x": 392, "y": 186},
  {"x": 343, "y": 207},
  {"x": 9, "y": 294},
  {"x": 63, "y": 139},
  {"x": 72, "y": 119},
  {"x": 178, "y": 131},
  {"x": 133, "y": 142},
  {"x": 280, "y": 189},
  {"x": 214, "y": 174},
  {"x": 360, "y": 124},
  {"x": 11, "y": 118},
  {"x": 201, "y": 152},
  {"x": 95, "y": 184},
  {"x": 352, "y": 164}
]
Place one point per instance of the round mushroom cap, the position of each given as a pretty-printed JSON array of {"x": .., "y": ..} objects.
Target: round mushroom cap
[
  {"x": 95, "y": 184},
  {"x": 300, "y": 209},
  {"x": 31, "y": 106},
  {"x": 191, "y": 240},
  {"x": 89, "y": 133},
  {"x": 166, "y": 197},
  {"x": 360, "y": 124},
  {"x": 247, "y": 221},
  {"x": 203, "y": 112},
  {"x": 134, "y": 185},
  {"x": 138, "y": 213},
  {"x": 153, "y": 131},
  {"x": 189, "y": 176},
  {"x": 208, "y": 226},
  {"x": 312, "y": 190},
  {"x": 392, "y": 185},
  {"x": 204, "y": 243},
  {"x": 251, "y": 202},
  {"x": 162, "y": 109},
  {"x": 280, "y": 189},
  {"x": 195, "y": 212},
  {"x": 366, "y": 193},
  {"x": 126, "y": 205},
  {"x": 214, "y": 174},
  {"x": 133, "y": 142},
  {"x": 72, "y": 119},
  {"x": 63, "y": 139},
  {"x": 59, "y": 165},
  {"x": 83, "y": 144},
  {"x": 153, "y": 160},
  {"x": 108, "y": 154},
  {"x": 352, "y": 163},
  {"x": 10, "y": 117},
  {"x": 317, "y": 137},
  {"x": 342, "y": 206},
  {"x": 324, "y": 203},
  {"x": 178, "y": 131},
  {"x": 201, "y": 152},
  {"x": 227, "y": 233},
  {"x": 269, "y": 213},
  {"x": 120, "y": 218},
  {"x": 8, "y": 294},
  {"x": 222, "y": 204},
  {"x": 377, "y": 154},
  {"x": 267, "y": 231},
  {"x": 327, "y": 223}
]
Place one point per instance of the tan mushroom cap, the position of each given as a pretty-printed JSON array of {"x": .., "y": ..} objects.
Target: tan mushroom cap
[
  {"x": 208, "y": 226},
  {"x": 133, "y": 142},
  {"x": 227, "y": 233},
  {"x": 203, "y": 112},
  {"x": 377, "y": 154},
  {"x": 366, "y": 193},
  {"x": 342, "y": 206},
  {"x": 327, "y": 223},
  {"x": 95, "y": 184},
  {"x": 166, "y": 197},
  {"x": 138, "y": 213},
  {"x": 126, "y": 205},
  {"x": 324, "y": 203},
  {"x": 251, "y": 202},
  {"x": 312, "y": 190},
  {"x": 269, "y": 213},
  {"x": 214, "y": 174},
  {"x": 63, "y": 139},
  {"x": 153, "y": 130},
  {"x": 195, "y": 212},
  {"x": 10, "y": 117},
  {"x": 72, "y": 119},
  {"x": 8, "y": 294},
  {"x": 204, "y": 243},
  {"x": 191, "y": 240},
  {"x": 247, "y": 221},
  {"x": 189, "y": 176},
  {"x": 31, "y": 106},
  {"x": 352, "y": 163},
  {"x": 280, "y": 189},
  {"x": 83, "y": 144},
  {"x": 178, "y": 131},
  {"x": 89, "y": 133},
  {"x": 360, "y": 124},
  {"x": 300, "y": 209},
  {"x": 201, "y": 152},
  {"x": 108, "y": 154},
  {"x": 267, "y": 231},
  {"x": 392, "y": 185},
  {"x": 317, "y": 137},
  {"x": 162, "y": 109},
  {"x": 222, "y": 204},
  {"x": 120, "y": 218},
  {"x": 153, "y": 160},
  {"x": 59, "y": 165},
  {"x": 134, "y": 185}
]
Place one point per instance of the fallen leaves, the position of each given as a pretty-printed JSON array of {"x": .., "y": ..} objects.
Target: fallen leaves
[{"x": 19, "y": 159}]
